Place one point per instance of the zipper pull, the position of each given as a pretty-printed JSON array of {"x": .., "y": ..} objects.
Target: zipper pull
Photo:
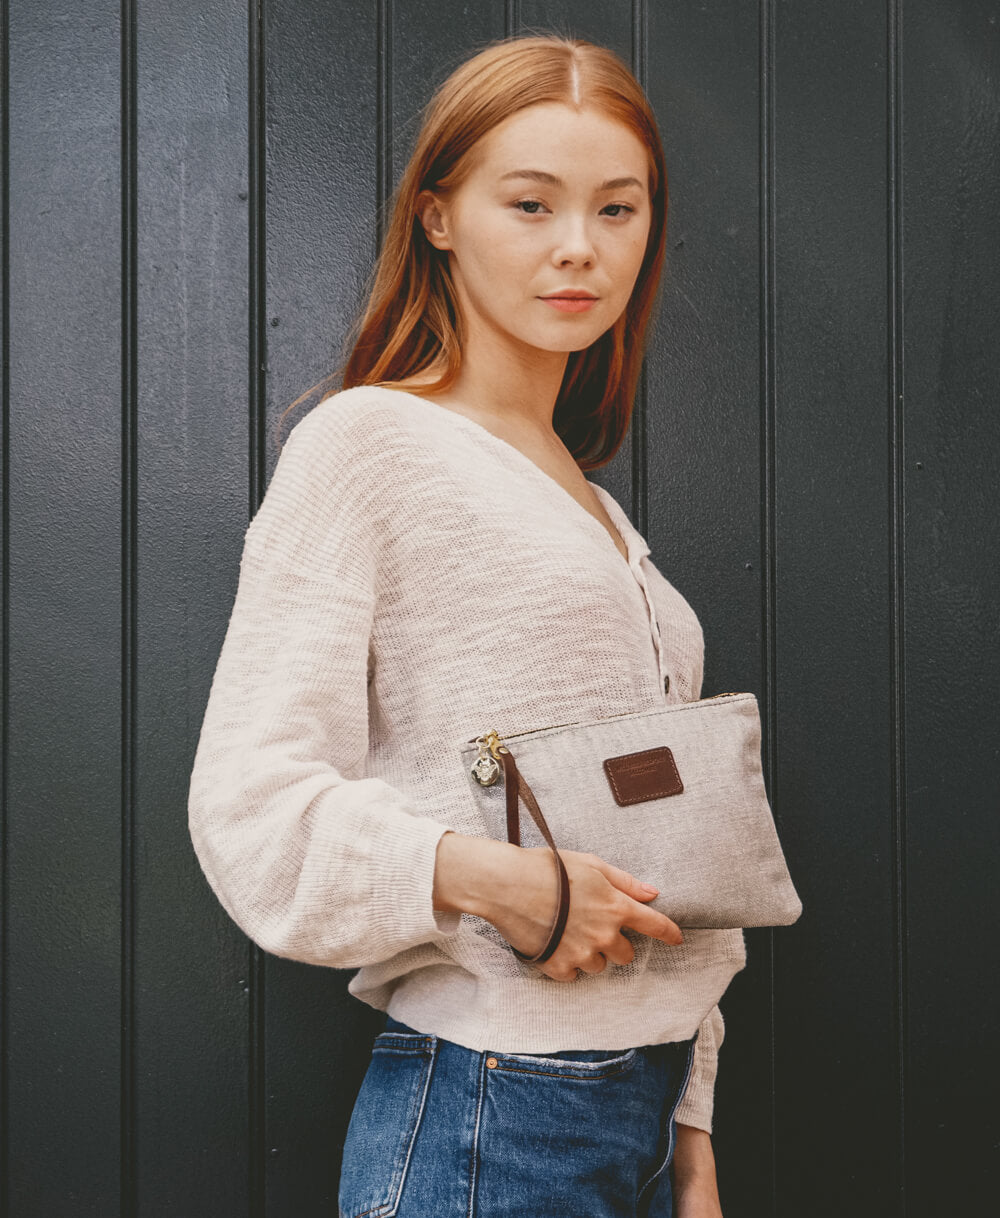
[{"x": 487, "y": 768}]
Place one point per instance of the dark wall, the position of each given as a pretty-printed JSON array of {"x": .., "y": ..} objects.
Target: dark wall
[{"x": 191, "y": 208}]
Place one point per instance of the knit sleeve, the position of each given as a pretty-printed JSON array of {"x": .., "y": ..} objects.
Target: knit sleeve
[
  {"x": 312, "y": 859},
  {"x": 697, "y": 1102}
]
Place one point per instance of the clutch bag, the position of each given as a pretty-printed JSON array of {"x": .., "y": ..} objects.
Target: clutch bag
[{"x": 673, "y": 795}]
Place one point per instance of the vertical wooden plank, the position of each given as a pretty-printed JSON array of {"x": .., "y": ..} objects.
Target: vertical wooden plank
[
  {"x": 322, "y": 110},
  {"x": 418, "y": 63},
  {"x": 951, "y": 234},
  {"x": 705, "y": 443},
  {"x": 63, "y": 859},
  {"x": 836, "y": 986},
  {"x": 191, "y": 961}
]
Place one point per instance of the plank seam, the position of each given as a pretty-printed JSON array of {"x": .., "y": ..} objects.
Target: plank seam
[
  {"x": 256, "y": 482},
  {"x": 768, "y": 530},
  {"x": 897, "y": 553},
  {"x": 128, "y": 1200}
]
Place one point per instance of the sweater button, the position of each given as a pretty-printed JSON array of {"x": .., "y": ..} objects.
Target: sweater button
[
  {"x": 666, "y": 683},
  {"x": 491, "y": 1062}
]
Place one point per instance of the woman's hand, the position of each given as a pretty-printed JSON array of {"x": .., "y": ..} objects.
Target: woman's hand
[
  {"x": 696, "y": 1192},
  {"x": 603, "y": 900},
  {"x": 517, "y": 888}
]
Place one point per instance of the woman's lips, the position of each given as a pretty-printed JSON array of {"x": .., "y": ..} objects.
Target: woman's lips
[{"x": 570, "y": 304}]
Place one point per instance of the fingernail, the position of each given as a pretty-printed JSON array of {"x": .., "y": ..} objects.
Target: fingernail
[{"x": 650, "y": 888}]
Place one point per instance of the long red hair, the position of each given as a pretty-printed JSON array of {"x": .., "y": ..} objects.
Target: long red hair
[{"x": 412, "y": 324}]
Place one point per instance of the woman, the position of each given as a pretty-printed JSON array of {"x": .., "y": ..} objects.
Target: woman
[{"x": 429, "y": 562}]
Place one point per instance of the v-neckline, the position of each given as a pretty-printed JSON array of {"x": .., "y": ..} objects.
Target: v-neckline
[{"x": 623, "y": 526}]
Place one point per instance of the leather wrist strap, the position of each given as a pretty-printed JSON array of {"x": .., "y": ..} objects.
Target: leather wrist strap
[{"x": 516, "y": 788}]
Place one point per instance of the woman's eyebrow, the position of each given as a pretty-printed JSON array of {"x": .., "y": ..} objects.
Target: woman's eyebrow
[{"x": 539, "y": 175}]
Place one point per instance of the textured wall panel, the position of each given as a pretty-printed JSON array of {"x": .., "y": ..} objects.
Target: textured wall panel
[
  {"x": 950, "y": 69},
  {"x": 63, "y": 851}
]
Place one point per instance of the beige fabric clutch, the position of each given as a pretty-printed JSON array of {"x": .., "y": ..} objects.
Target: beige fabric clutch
[{"x": 673, "y": 795}]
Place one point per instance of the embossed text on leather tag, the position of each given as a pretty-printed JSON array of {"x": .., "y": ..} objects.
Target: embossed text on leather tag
[{"x": 635, "y": 777}]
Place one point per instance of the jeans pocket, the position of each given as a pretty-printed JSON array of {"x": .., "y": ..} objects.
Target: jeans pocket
[
  {"x": 384, "y": 1124},
  {"x": 564, "y": 1133},
  {"x": 586, "y": 1064}
]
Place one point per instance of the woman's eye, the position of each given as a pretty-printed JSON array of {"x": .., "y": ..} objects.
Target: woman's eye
[
  {"x": 622, "y": 207},
  {"x": 530, "y": 203}
]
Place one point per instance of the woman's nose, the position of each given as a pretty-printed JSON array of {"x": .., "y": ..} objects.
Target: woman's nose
[{"x": 574, "y": 243}]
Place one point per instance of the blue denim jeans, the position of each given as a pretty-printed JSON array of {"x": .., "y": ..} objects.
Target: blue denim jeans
[{"x": 441, "y": 1131}]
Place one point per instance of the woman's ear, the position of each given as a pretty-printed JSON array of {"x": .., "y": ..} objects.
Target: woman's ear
[{"x": 433, "y": 218}]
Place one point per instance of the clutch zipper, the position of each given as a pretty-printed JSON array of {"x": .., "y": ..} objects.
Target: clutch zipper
[
  {"x": 625, "y": 715},
  {"x": 487, "y": 767}
]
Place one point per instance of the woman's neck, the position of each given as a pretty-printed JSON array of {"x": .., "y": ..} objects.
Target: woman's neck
[{"x": 517, "y": 388}]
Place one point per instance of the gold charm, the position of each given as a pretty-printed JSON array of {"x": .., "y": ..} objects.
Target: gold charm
[{"x": 487, "y": 769}]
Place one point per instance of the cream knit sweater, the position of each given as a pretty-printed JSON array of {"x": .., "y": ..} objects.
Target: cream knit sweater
[{"x": 409, "y": 581}]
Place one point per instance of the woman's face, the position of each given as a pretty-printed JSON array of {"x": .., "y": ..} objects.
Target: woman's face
[{"x": 557, "y": 200}]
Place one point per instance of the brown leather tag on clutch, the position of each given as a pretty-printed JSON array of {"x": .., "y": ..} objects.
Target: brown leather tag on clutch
[{"x": 635, "y": 777}]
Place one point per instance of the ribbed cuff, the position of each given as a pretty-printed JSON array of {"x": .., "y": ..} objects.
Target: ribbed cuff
[{"x": 407, "y": 915}]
